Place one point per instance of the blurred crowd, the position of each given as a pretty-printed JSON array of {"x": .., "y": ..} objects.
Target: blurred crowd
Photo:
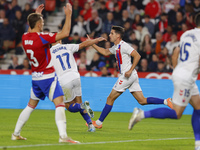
[{"x": 152, "y": 27}]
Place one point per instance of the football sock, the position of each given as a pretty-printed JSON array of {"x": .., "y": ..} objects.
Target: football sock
[
  {"x": 105, "y": 112},
  {"x": 23, "y": 117},
  {"x": 86, "y": 117},
  {"x": 196, "y": 125},
  {"x": 60, "y": 119},
  {"x": 161, "y": 113},
  {"x": 154, "y": 100},
  {"x": 76, "y": 107}
]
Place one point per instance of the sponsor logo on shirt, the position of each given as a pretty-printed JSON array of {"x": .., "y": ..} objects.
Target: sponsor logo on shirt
[{"x": 37, "y": 74}]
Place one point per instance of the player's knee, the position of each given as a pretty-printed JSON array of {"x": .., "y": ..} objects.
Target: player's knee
[
  {"x": 142, "y": 101},
  {"x": 110, "y": 100}
]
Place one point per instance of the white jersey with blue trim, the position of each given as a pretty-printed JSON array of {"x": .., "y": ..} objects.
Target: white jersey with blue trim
[
  {"x": 64, "y": 62},
  {"x": 122, "y": 53},
  {"x": 188, "y": 61}
]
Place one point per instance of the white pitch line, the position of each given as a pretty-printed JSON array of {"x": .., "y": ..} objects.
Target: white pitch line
[{"x": 90, "y": 143}]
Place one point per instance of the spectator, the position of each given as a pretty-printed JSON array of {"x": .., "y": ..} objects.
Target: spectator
[
  {"x": 153, "y": 9},
  {"x": 161, "y": 26},
  {"x": 94, "y": 66},
  {"x": 14, "y": 63},
  {"x": 25, "y": 65},
  {"x": 3, "y": 5},
  {"x": 103, "y": 11},
  {"x": 179, "y": 21},
  {"x": 75, "y": 12},
  {"x": 167, "y": 35},
  {"x": 110, "y": 4},
  {"x": 108, "y": 23},
  {"x": 143, "y": 66},
  {"x": 183, "y": 29},
  {"x": 105, "y": 72},
  {"x": 13, "y": 7},
  {"x": 125, "y": 18},
  {"x": 196, "y": 6},
  {"x": 86, "y": 12},
  {"x": 161, "y": 67},
  {"x": 168, "y": 5},
  {"x": 132, "y": 11},
  {"x": 172, "y": 14},
  {"x": 2, "y": 16},
  {"x": 82, "y": 62},
  {"x": 190, "y": 21},
  {"x": 127, "y": 4},
  {"x": 132, "y": 39},
  {"x": 79, "y": 27},
  {"x": 159, "y": 44},
  {"x": 137, "y": 20},
  {"x": 117, "y": 14},
  {"x": 127, "y": 31},
  {"x": 110, "y": 59},
  {"x": 171, "y": 44},
  {"x": 163, "y": 54},
  {"x": 94, "y": 25},
  {"x": 27, "y": 10},
  {"x": 139, "y": 5},
  {"x": 146, "y": 41},
  {"x": 150, "y": 26},
  {"x": 18, "y": 25},
  {"x": 7, "y": 34},
  {"x": 154, "y": 63},
  {"x": 140, "y": 32}
]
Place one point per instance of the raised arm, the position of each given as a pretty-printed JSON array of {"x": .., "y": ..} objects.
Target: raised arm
[
  {"x": 67, "y": 26},
  {"x": 136, "y": 59},
  {"x": 175, "y": 56},
  {"x": 90, "y": 42},
  {"x": 101, "y": 50}
]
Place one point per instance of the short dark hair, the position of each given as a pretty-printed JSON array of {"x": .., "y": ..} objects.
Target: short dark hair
[
  {"x": 197, "y": 20},
  {"x": 33, "y": 18},
  {"x": 118, "y": 30}
]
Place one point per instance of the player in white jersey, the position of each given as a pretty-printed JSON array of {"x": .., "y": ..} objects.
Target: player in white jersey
[
  {"x": 185, "y": 60},
  {"x": 69, "y": 77},
  {"x": 128, "y": 78}
]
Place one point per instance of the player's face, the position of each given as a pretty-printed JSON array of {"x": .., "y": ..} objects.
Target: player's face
[{"x": 113, "y": 36}]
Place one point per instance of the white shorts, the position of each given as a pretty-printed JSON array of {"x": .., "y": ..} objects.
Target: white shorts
[
  {"x": 183, "y": 93},
  {"x": 131, "y": 83},
  {"x": 71, "y": 90}
]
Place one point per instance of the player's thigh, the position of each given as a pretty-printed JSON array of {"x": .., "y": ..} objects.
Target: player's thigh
[
  {"x": 135, "y": 86},
  {"x": 77, "y": 88},
  {"x": 182, "y": 93},
  {"x": 68, "y": 92},
  {"x": 179, "y": 110},
  {"x": 58, "y": 100},
  {"x": 195, "y": 101},
  {"x": 138, "y": 95},
  {"x": 124, "y": 83}
]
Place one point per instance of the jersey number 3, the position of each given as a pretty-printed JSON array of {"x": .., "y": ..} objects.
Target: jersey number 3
[
  {"x": 184, "y": 53},
  {"x": 61, "y": 61},
  {"x": 33, "y": 61}
]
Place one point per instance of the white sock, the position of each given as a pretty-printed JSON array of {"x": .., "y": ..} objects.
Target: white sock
[
  {"x": 98, "y": 122},
  {"x": 142, "y": 115},
  {"x": 197, "y": 143},
  {"x": 61, "y": 121},
  {"x": 23, "y": 117},
  {"x": 165, "y": 101}
]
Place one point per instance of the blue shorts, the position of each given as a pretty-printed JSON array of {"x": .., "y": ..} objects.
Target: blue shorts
[{"x": 47, "y": 87}]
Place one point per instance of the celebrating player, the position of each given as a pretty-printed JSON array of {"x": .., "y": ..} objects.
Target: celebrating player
[
  {"x": 128, "y": 78},
  {"x": 44, "y": 82},
  {"x": 185, "y": 60},
  {"x": 69, "y": 77}
]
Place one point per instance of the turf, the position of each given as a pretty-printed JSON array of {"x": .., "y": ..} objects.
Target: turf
[{"x": 149, "y": 134}]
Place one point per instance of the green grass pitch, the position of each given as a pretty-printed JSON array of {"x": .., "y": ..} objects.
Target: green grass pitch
[{"x": 150, "y": 134}]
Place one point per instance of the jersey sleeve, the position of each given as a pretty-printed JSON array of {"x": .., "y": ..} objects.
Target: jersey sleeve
[
  {"x": 112, "y": 50},
  {"x": 48, "y": 38},
  {"x": 128, "y": 48},
  {"x": 72, "y": 47}
]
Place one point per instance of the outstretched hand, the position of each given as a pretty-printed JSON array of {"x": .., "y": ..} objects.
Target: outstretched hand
[
  {"x": 101, "y": 39},
  {"x": 68, "y": 9},
  {"x": 39, "y": 9}
]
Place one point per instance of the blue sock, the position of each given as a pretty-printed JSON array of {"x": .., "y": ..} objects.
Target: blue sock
[
  {"x": 86, "y": 117},
  {"x": 161, "y": 113},
  {"x": 196, "y": 124},
  {"x": 154, "y": 100},
  {"x": 75, "y": 107},
  {"x": 105, "y": 112}
]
